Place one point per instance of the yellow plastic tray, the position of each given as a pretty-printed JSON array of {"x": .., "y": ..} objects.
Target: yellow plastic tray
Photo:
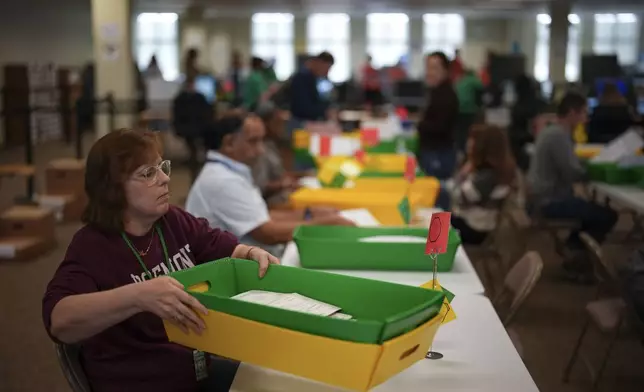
[
  {"x": 426, "y": 188},
  {"x": 354, "y": 366},
  {"x": 387, "y": 163},
  {"x": 382, "y": 205}
]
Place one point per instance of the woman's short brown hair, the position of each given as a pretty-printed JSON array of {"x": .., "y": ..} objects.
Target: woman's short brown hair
[
  {"x": 110, "y": 162},
  {"x": 491, "y": 149}
]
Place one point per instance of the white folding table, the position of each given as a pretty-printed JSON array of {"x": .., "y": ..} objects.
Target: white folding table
[{"x": 478, "y": 357}]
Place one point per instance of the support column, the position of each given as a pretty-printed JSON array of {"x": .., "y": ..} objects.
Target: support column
[
  {"x": 559, "y": 10},
  {"x": 115, "y": 69}
]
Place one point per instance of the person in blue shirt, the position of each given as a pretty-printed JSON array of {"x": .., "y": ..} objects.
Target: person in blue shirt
[{"x": 306, "y": 103}]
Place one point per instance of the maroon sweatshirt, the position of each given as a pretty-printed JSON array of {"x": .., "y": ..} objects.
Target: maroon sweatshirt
[{"x": 135, "y": 355}]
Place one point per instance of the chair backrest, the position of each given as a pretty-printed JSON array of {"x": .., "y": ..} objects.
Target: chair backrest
[
  {"x": 604, "y": 271},
  {"x": 69, "y": 360},
  {"x": 519, "y": 283}
]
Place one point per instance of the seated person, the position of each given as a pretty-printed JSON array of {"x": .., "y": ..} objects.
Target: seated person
[
  {"x": 612, "y": 117},
  {"x": 275, "y": 183},
  {"x": 191, "y": 117},
  {"x": 523, "y": 114},
  {"x": 225, "y": 193},
  {"x": 554, "y": 170},
  {"x": 483, "y": 184},
  {"x": 110, "y": 294}
]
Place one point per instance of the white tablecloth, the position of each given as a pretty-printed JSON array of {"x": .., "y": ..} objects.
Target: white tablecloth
[
  {"x": 462, "y": 279},
  {"x": 479, "y": 356},
  {"x": 628, "y": 196}
]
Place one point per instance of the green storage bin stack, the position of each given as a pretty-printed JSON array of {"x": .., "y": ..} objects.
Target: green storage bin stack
[
  {"x": 340, "y": 248},
  {"x": 380, "y": 310},
  {"x": 611, "y": 173},
  {"x": 597, "y": 171},
  {"x": 620, "y": 175},
  {"x": 379, "y": 174}
]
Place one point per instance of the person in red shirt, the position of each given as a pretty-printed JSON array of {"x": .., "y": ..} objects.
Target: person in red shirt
[
  {"x": 371, "y": 84},
  {"x": 111, "y": 293}
]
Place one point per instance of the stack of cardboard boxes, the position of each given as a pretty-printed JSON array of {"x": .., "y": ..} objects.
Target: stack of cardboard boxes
[
  {"x": 65, "y": 189},
  {"x": 26, "y": 232}
]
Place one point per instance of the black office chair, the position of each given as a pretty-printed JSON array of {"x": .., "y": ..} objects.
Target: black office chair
[{"x": 69, "y": 359}]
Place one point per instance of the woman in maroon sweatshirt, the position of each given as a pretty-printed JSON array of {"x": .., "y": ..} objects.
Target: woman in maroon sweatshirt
[{"x": 110, "y": 293}]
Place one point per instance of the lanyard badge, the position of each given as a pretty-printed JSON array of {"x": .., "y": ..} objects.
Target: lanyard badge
[{"x": 201, "y": 370}]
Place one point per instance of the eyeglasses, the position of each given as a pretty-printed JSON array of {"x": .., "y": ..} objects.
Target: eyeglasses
[{"x": 150, "y": 174}]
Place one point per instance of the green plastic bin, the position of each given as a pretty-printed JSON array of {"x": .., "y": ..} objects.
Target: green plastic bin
[
  {"x": 303, "y": 158},
  {"x": 384, "y": 147},
  {"x": 380, "y": 310},
  {"x": 597, "y": 171},
  {"x": 336, "y": 247}
]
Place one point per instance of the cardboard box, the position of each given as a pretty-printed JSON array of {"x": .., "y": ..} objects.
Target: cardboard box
[
  {"x": 28, "y": 221},
  {"x": 355, "y": 366},
  {"x": 24, "y": 248},
  {"x": 65, "y": 177},
  {"x": 66, "y": 208}
]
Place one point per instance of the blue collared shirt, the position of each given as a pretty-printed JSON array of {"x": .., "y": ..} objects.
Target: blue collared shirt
[{"x": 224, "y": 193}]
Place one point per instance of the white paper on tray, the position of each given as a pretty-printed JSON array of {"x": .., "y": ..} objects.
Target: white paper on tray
[
  {"x": 625, "y": 145},
  {"x": 310, "y": 182},
  {"x": 292, "y": 301},
  {"x": 394, "y": 239},
  {"x": 7, "y": 251},
  {"x": 361, "y": 217}
]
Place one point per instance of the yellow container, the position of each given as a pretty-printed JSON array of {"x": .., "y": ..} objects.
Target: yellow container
[
  {"x": 301, "y": 139},
  {"x": 426, "y": 188},
  {"x": 355, "y": 366},
  {"x": 382, "y": 205},
  {"x": 387, "y": 163}
]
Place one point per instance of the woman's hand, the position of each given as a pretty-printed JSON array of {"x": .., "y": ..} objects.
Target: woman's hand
[
  {"x": 262, "y": 257},
  {"x": 166, "y": 298},
  {"x": 321, "y": 212},
  {"x": 335, "y": 220}
]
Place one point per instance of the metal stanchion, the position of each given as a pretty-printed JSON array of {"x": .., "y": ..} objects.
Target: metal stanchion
[{"x": 111, "y": 111}]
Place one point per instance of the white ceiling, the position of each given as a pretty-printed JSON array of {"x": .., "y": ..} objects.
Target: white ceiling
[{"x": 469, "y": 7}]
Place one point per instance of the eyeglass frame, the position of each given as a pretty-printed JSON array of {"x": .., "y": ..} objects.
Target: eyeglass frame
[{"x": 141, "y": 176}]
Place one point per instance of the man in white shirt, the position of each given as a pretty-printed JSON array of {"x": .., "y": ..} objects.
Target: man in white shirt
[{"x": 225, "y": 194}]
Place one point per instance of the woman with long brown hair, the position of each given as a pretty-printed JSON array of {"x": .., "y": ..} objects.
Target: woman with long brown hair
[{"x": 483, "y": 184}]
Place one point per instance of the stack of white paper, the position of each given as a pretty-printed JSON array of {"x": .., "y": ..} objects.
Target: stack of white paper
[
  {"x": 394, "y": 239},
  {"x": 627, "y": 144},
  {"x": 340, "y": 145},
  {"x": 291, "y": 301}
]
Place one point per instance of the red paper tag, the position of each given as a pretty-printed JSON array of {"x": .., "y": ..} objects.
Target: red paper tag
[
  {"x": 370, "y": 137},
  {"x": 438, "y": 234},
  {"x": 360, "y": 156},
  {"x": 325, "y": 145},
  {"x": 402, "y": 113},
  {"x": 410, "y": 169}
]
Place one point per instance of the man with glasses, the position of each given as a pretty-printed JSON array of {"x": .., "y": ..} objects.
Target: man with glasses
[{"x": 225, "y": 193}]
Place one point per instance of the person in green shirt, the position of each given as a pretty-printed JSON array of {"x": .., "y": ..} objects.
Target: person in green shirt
[
  {"x": 469, "y": 90},
  {"x": 269, "y": 73},
  {"x": 256, "y": 84}
]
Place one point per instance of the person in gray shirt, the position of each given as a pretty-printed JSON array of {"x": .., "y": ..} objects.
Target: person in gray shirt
[{"x": 555, "y": 169}]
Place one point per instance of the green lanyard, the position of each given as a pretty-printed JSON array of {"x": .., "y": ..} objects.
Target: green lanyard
[{"x": 166, "y": 260}]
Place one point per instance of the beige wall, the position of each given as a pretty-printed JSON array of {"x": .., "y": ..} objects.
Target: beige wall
[{"x": 46, "y": 31}]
